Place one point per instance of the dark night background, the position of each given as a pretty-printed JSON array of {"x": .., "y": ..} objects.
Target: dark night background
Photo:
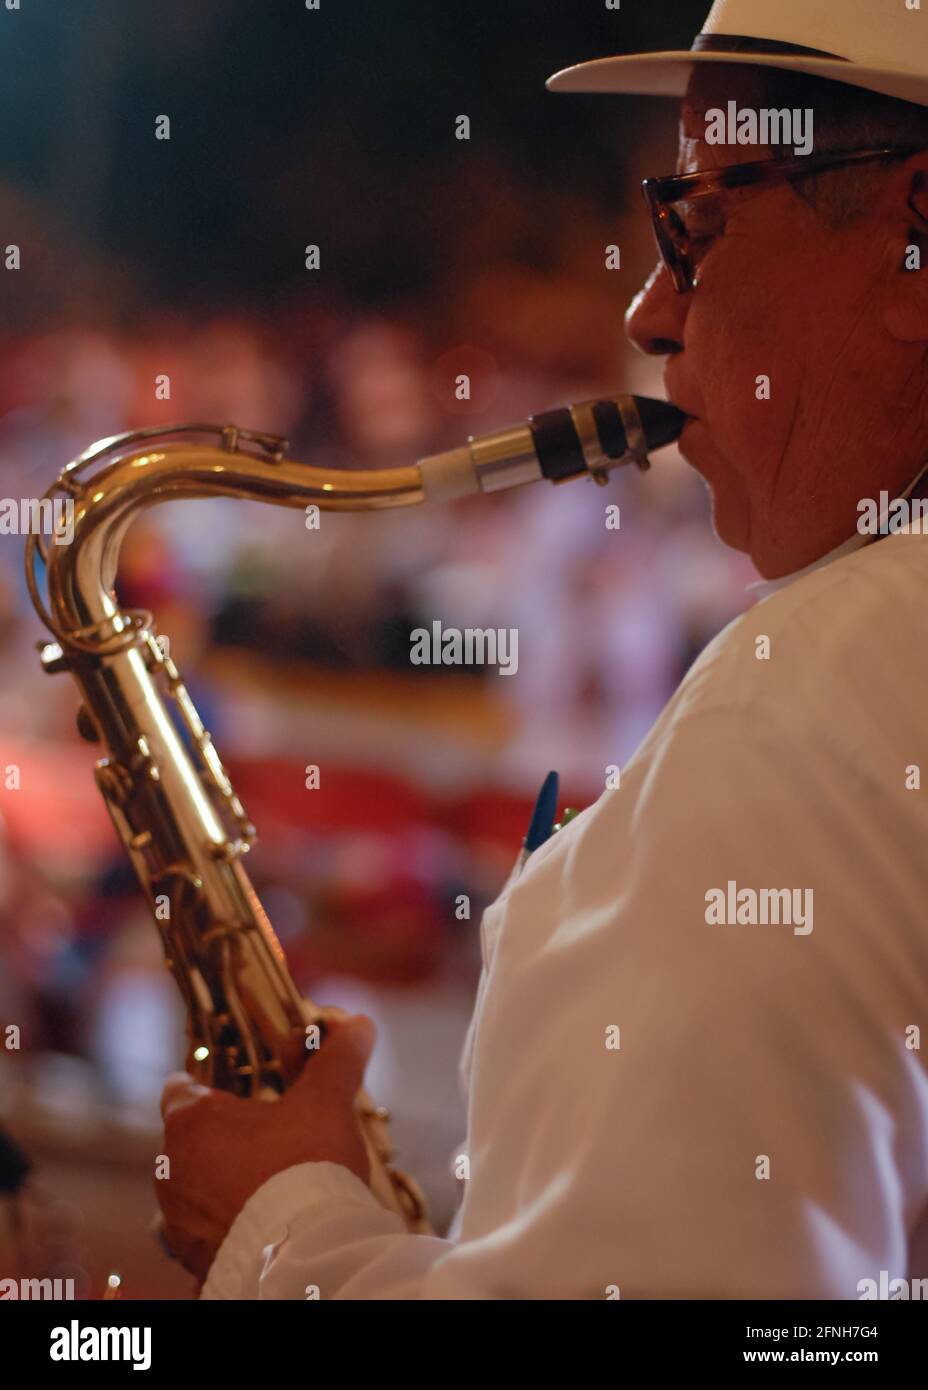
[{"x": 291, "y": 125}]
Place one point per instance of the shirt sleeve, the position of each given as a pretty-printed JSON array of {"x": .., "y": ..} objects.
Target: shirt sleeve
[
  {"x": 313, "y": 1232},
  {"x": 664, "y": 1105}
]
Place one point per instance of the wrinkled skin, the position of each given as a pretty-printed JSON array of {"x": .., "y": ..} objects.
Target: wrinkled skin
[
  {"x": 222, "y": 1148},
  {"x": 831, "y": 316}
]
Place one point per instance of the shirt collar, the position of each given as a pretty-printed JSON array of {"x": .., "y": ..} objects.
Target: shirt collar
[{"x": 762, "y": 588}]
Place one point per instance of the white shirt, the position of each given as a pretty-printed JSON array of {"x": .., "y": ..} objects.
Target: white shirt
[{"x": 761, "y": 1131}]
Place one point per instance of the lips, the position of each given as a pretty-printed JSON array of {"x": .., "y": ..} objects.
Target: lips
[
  {"x": 677, "y": 397},
  {"x": 690, "y": 414}
]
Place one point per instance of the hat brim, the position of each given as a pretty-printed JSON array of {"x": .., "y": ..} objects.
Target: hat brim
[{"x": 667, "y": 74}]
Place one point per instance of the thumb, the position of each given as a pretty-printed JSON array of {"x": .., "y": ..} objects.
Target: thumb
[{"x": 340, "y": 1062}]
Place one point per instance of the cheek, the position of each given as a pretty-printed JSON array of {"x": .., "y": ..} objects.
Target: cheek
[{"x": 744, "y": 338}]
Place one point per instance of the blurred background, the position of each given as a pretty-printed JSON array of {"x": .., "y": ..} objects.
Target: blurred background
[{"x": 185, "y": 258}]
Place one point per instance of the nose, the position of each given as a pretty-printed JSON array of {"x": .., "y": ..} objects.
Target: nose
[{"x": 656, "y": 316}]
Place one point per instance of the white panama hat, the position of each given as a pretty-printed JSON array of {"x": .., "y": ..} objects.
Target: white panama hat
[{"x": 878, "y": 44}]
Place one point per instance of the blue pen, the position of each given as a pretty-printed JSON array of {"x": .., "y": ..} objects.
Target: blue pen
[{"x": 542, "y": 823}]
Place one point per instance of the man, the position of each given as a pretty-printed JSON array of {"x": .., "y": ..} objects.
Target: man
[{"x": 695, "y": 1067}]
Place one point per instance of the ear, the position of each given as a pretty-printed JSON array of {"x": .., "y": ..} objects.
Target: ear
[{"x": 906, "y": 314}]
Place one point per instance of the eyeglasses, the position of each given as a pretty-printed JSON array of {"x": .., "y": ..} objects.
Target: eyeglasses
[{"x": 685, "y": 237}]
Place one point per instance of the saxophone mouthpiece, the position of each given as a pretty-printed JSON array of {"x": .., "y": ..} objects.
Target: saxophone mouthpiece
[{"x": 588, "y": 439}]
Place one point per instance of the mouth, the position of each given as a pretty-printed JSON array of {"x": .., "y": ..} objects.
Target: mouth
[
  {"x": 678, "y": 405},
  {"x": 677, "y": 391},
  {"x": 690, "y": 440},
  {"x": 689, "y": 421}
]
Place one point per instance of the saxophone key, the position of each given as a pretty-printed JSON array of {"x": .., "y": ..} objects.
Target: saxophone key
[{"x": 86, "y": 726}]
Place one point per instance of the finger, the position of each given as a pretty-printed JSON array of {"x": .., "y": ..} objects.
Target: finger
[
  {"x": 194, "y": 1254},
  {"x": 340, "y": 1062},
  {"x": 180, "y": 1090},
  {"x": 159, "y": 1231},
  {"x": 173, "y": 1242}
]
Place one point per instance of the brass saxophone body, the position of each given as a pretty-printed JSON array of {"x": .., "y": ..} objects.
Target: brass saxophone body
[{"x": 174, "y": 808}]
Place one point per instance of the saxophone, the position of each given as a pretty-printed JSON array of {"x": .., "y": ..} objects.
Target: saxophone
[{"x": 174, "y": 808}]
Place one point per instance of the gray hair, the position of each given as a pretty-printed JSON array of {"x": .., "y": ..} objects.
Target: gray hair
[{"x": 846, "y": 118}]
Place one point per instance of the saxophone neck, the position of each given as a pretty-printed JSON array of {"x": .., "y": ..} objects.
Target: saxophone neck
[{"x": 117, "y": 478}]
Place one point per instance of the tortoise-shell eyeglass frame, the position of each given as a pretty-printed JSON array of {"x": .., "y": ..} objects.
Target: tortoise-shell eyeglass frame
[{"x": 674, "y": 241}]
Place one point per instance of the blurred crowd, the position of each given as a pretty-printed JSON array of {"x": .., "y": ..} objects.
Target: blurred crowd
[
  {"x": 164, "y": 283},
  {"x": 295, "y": 642}
]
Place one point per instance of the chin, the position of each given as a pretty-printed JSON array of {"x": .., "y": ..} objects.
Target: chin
[
  {"x": 774, "y": 566},
  {"x": 731, "y": 516},
  {"x": 779, "y": 562},
  {"x": 731, "y": 526},
  {"x": 771, "y": 561},
  {"x": 731, "y": 510}
]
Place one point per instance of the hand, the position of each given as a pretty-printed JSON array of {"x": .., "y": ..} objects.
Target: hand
[{"x": 222, "y": 1148}]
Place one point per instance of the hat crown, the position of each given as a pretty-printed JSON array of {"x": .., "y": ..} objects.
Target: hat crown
[{"x": 874, "y": 33}]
